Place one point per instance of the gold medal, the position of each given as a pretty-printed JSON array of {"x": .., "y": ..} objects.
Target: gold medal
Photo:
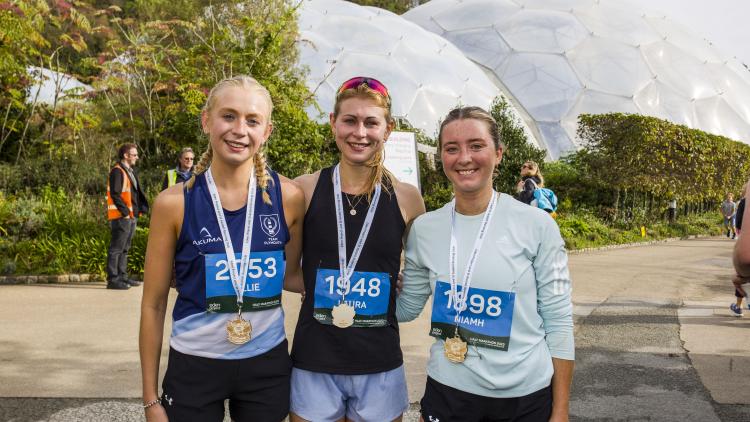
[
  {"x": 238, "y": 330},
  {"x": 343, "y": 315},
  {"x": 455, "y": 348}
]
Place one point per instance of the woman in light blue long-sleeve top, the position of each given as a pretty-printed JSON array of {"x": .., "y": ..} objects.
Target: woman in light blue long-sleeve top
[{"x": 505, "y": 349}]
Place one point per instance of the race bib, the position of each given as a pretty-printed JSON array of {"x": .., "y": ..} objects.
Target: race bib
[
  {"x": 265, "y": 279},
  {"x": 485, "y": 321},
  {"x": 367, "y": 292}
]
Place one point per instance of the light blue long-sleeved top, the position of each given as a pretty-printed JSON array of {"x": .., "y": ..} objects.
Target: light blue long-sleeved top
[{"x": 522, "y": 254}]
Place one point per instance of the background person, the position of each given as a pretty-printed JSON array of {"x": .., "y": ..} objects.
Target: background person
[
  {"x": 497, "y": 272},
  {"x": 233, "y": 233},
  {"x": 672, "y": 210},
  {"x": 728, "y": 209},
  {"x": 183, "y": 171},
  {"x": 740, "y": 293},
  {"x": 531, "y": 178},
  {"x": 347, "y": 358},
  {"x": 125, "y": 203}
]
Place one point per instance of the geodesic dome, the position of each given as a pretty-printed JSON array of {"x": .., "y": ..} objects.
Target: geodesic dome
[
  {"x": 560, "y": 58},
  {"x": 426, "y": 75},
  {"x": 48, "y": 82}
]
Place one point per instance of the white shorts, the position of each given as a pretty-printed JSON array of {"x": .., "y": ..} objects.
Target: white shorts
[{"x": 321, "y": 397}]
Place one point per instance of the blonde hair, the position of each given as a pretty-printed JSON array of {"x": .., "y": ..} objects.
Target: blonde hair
[
  {"x": 535, "y": 171},
  {"x": 259, "y": 159},
  {"x": 379, "y": 174}
]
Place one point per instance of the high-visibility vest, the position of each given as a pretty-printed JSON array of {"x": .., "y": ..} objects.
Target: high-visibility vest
[
  {"x": 112, "y": 212},
  {"x": 171, "y": 177}
]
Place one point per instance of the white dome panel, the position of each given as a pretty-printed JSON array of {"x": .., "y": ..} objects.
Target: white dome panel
[
  {"x": 544, "y": 84},
  {"x": 479, "y": 12},
  {"x": 542, "y": 31},
  {"x": 680, "y": 36},
  {"x": 658, "y": 99},
  {"x": 609, "y": 66},
  {"x": 608, "y": 21},
  {"x": 717, "y": 116},
  {"x": 483, "y": 45},
  {"x": 562, "y": 5},
  {"x": 679, "y": 70}
]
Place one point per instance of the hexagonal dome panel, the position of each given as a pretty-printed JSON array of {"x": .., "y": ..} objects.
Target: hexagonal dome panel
[
  {"x": 426, "y": 75},
  {"x": 559, "y": 58}
]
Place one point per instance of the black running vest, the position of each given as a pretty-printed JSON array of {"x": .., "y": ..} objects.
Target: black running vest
[{"x": 348, "y": 351}]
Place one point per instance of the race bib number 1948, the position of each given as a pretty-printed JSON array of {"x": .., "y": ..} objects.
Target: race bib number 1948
[
  {"x": 367, "y": 292},
  {"x": 485, "y": 321},
  {"x": 265, "y": 279}
]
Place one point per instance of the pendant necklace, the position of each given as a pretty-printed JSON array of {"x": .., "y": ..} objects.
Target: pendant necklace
[
  {"x": 343, "y": 313},
  {"x": 238, "y": 329},
  {"x": 353, "y": 208},
  {"x": 456, "y": 347}
]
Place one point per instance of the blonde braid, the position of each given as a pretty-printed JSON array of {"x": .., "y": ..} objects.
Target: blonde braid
[
  {"x": 202, "y": 165},
  {"x": 261, "y": 173},
  {"x": 379, "y": 174}
]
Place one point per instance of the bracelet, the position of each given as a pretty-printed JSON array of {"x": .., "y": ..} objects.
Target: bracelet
[{"x": 151, "y": 403}]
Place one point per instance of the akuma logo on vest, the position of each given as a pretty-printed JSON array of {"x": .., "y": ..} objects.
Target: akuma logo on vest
[{"x": 207, "y": 238}]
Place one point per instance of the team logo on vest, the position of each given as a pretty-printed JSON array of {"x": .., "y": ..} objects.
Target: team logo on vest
[
  {"x": 271, "y": 226},
  {"x": 206, "y": 238}
]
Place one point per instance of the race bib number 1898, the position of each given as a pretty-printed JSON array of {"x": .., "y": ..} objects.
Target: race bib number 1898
[{"x": 485, "y": 321}]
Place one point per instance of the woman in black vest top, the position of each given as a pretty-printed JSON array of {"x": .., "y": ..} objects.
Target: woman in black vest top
[{"x": 347, "y": 358}]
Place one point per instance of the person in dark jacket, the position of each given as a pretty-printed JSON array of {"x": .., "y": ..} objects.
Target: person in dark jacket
[
  {"x": 183, "y": 171},
  {"x": 125, "y": 203},
  {"x": 531, "y": 178}
]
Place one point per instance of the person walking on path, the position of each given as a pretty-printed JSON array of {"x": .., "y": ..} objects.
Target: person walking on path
[
  {"x": 672, "y": 210},
  {"x": 232, "y": 233},
  {"x": 125, "y": 203},
  {"x": 347, "y": 358},
  {"x": 728, "y": 209},
  {"x": 497, "y": 271},
  {"x": 740, "y": 293},
  {"x": 183, "y": 171}
]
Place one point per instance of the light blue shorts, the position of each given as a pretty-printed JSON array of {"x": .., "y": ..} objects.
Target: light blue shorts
[{"x": 321, "y": 397}]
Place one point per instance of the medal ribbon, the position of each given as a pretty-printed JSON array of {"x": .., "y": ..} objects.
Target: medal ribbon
[
  {"x": 459, "y": 299},
  {"x": 239, "y": 279},
  {"x": 347, "y": 269}
]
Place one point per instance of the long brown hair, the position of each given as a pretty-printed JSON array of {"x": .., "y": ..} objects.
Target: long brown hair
[
  {"x": 378, "y": 174},
  {"x": 261, "y": 172}
]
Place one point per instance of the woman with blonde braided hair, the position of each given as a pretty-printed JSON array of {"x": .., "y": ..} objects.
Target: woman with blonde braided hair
[
  {"x": 356, "y": 219},
  {"x": 233, "y": 232}
]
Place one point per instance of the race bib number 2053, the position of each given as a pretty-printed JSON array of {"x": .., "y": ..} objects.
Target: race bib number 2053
[{"x": 265, "y": 279}]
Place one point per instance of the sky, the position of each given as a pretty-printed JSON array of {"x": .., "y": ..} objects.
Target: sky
[{"x": 725, "y": 23}]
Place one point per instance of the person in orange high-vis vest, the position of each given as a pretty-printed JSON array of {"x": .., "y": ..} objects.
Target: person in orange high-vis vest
[{"x": 125, "y": 202}]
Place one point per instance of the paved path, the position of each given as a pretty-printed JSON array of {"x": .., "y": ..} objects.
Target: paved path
[{"x": 655, "y": 342}]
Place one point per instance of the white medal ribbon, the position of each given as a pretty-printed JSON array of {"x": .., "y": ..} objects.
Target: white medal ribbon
[
  {"x": 347, "y": 269},
  {"x": 459, "y": 299},
  {"x": 239, "y": 279}
]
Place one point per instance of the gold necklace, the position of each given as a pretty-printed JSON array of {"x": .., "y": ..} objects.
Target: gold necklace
[{"x": 352, "y": 208}]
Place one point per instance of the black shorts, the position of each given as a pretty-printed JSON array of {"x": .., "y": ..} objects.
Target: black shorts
[
  {"x": 444, "y": 403},
  {"x": 194, "y": 388}
]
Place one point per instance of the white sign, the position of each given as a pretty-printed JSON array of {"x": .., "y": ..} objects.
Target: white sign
[{"x": 401, "y": 157}]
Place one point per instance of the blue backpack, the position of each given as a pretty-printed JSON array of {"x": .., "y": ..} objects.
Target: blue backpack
[{"x": 545, "y": 199}]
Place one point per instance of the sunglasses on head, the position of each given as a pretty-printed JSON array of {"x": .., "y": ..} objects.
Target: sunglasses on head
[{"x": 371, "y": 83}]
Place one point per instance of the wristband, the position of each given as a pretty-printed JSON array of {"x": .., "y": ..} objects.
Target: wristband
[{"x": 151, "y": 403}]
